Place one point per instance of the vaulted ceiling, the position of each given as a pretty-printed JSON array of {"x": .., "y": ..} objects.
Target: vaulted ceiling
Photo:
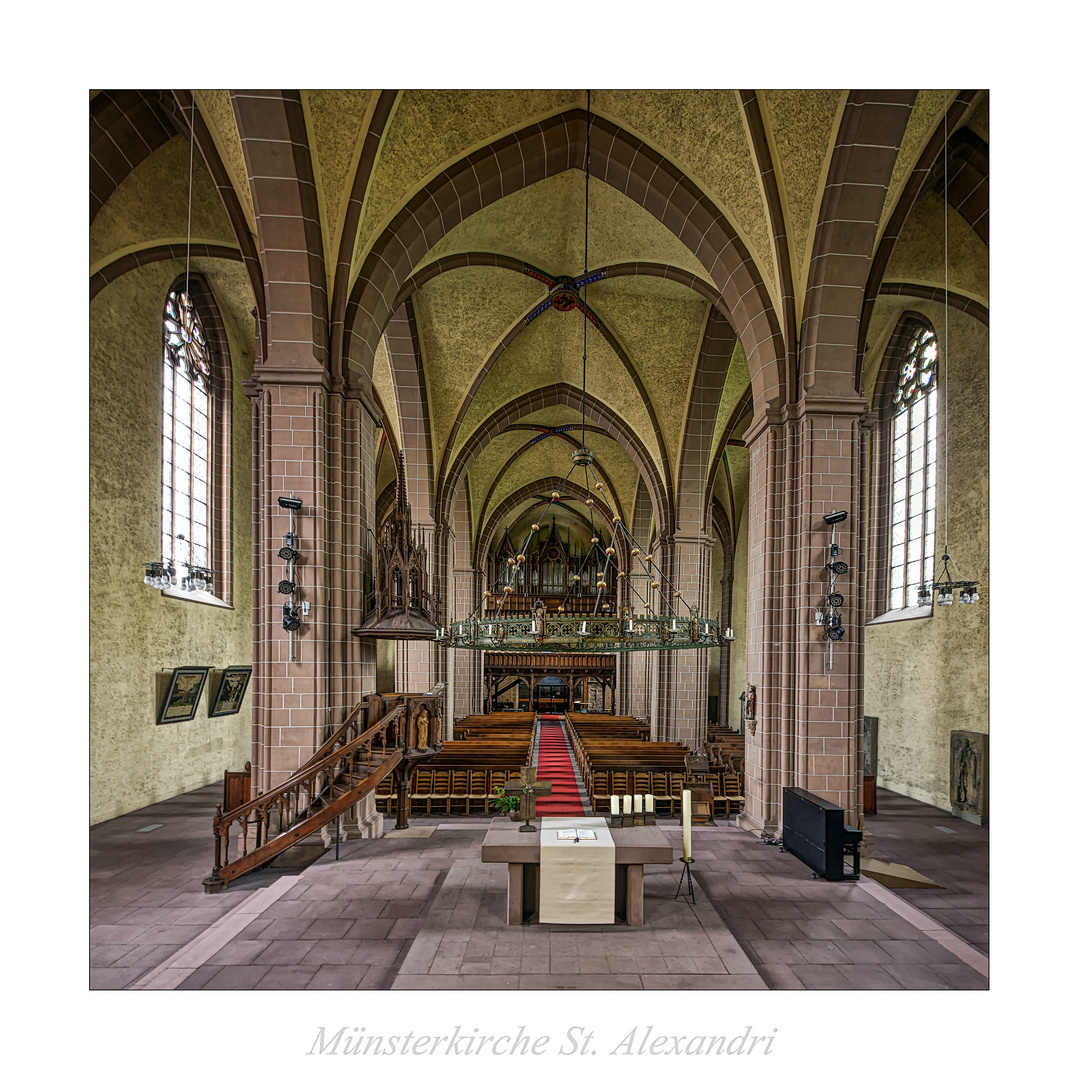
[{"x": 479, "y": 378}]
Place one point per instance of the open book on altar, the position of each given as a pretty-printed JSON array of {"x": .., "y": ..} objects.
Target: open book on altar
[{"x": 576, "y": 834}]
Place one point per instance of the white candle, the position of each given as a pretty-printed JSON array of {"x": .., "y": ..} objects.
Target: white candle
[
  {"x": 625, "y": 804},
  {"x": 687, "y": 813},
  {"x": 649, "y": 804},
  {"x": 614, "y": 804},
  {"x": 638, "y": 804}
]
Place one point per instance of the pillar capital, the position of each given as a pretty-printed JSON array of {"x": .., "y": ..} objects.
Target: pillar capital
[{"x": 777, "y": 415}]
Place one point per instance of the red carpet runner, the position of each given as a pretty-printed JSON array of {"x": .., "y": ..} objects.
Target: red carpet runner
[{"x": 555, "y": 764}]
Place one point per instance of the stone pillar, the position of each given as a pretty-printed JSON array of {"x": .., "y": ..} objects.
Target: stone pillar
[
  {"x": 682, "y": 700},
  {"x": 803, "y": 466},
  {"x": 315, "y": 441},
  {"x": 467, "y": 663},
  {"x": 635, "y": 669}
]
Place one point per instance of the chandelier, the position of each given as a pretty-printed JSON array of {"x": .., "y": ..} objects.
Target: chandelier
[{"x": 657, "y": 618}]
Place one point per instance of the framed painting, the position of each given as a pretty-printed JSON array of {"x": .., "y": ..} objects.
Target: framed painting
[
  {"x": 182, "y": 695},
  {"x": 230, "y": 691}
]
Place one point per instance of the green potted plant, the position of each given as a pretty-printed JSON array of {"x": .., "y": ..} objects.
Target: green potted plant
[{"x": 509, "y": 804}]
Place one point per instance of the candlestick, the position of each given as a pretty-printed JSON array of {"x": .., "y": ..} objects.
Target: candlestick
[
  {"x": 638, "y": 804},
  {"x": 614, "y": 804},
  {"x": 687, "y": 814},
  {"x": 626, "y": 806},
  {"x": 649, "y": 804}
]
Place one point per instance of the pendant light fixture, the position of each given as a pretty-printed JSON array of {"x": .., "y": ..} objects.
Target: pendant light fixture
[
  {"x": 946, "y": 586},
  {"x": 662, "y": 621}
]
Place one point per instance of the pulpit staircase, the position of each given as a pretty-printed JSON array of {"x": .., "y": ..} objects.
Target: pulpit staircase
[{"x": 347, "y": 766}]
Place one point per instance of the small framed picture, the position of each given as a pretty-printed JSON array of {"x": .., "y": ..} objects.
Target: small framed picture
[
  {"x": 230, "y": 691},
  {"x": 182, "y": 696}
]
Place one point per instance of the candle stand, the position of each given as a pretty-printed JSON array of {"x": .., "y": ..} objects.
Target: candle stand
[
  {"x": 627, "y": 821},
  {"x": 688, "y": 877}
]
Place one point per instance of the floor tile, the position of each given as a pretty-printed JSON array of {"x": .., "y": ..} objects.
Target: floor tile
[{"x": 426, "y": 913}]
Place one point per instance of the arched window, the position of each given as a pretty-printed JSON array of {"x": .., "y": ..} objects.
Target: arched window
[
  {"x": 187, "y": 440},
  {"x": 914, "y": 470}
]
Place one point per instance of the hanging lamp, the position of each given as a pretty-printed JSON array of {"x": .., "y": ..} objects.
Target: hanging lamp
[
  {"x": 185, "y": 342},
  {"x": 945, "y": 585},
  {"x": 663, "y": 621}
]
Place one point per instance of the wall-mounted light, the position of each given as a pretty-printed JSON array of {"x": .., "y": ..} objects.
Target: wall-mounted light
[
  {"x": 289, "y": 552},
  {"x": 827, "y": 615},
  {"x": 290, "y": 617}
]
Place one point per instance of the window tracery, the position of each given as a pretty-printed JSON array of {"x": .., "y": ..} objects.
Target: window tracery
[
  {"x": 187, "y": 423},
  {"x": 914, "y": 470}
]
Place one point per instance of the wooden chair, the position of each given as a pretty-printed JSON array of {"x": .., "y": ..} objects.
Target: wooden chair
[
  {"x": 457, "y": 802},
  {"x": 661, "y": 791},
  {"x": 601, "y": 784},
  {"x": 420, "y": 796},
  {"x": 619, "y": 782},
  {"x": 731, "y": 792},
  {"x": 439, "y": 798},
  {"x": 386, "y": 794},
  {"x": 676, "y": 779},
  {"x": 479, "y": 793},
  {"x": 642, "y": 782}
]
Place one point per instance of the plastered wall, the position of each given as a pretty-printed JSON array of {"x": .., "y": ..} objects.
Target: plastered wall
[
  {"x": 927, "y": 677},
  {"x": 135, "y": 632}
]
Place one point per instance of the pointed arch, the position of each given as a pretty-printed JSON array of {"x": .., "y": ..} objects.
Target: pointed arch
[
  {"x": 898, "y": 218},
  {"x": 544, "y": 149},
  {"x": 713, "y": 360},
  {"x": 870, "y": 133},
  {"x": 543, "y": 398}
]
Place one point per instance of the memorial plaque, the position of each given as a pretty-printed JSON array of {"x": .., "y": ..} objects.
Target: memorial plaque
[
  {"x": 869, "y": 763},
  {"x": 970, "y": 776}
]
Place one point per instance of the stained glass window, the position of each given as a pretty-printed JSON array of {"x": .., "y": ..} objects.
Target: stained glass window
[
  {"x": 185, "y": 443},
  {"x": 914, "y": 470}
]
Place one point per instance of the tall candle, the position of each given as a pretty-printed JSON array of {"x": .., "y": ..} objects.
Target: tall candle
[
  {"x": 625, "y": 804},
  {"x": 638, "y": 804},
  {"x": 614, "y": 805},
  {"x": 649, "y": 804},
  {"x": 687, "y": 813}
]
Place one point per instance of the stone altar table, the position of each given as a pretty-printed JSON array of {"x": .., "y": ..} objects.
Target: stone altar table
[{"x": 633, "y": 848}]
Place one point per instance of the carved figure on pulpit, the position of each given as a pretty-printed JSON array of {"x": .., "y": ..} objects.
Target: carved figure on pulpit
[{"x": 421, "y": 731}]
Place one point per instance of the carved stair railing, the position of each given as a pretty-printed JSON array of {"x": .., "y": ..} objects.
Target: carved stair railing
[{"x": 350, "y": 764}]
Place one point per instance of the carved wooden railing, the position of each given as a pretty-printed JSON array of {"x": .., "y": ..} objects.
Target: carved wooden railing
[{"x": 347, "y": 766}]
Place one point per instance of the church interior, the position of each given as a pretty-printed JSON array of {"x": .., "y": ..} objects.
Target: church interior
[{"x": 401, "y": 403}]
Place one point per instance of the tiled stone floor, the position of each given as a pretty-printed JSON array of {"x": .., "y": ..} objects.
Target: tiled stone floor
[{"x": 409, "y": 912}]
